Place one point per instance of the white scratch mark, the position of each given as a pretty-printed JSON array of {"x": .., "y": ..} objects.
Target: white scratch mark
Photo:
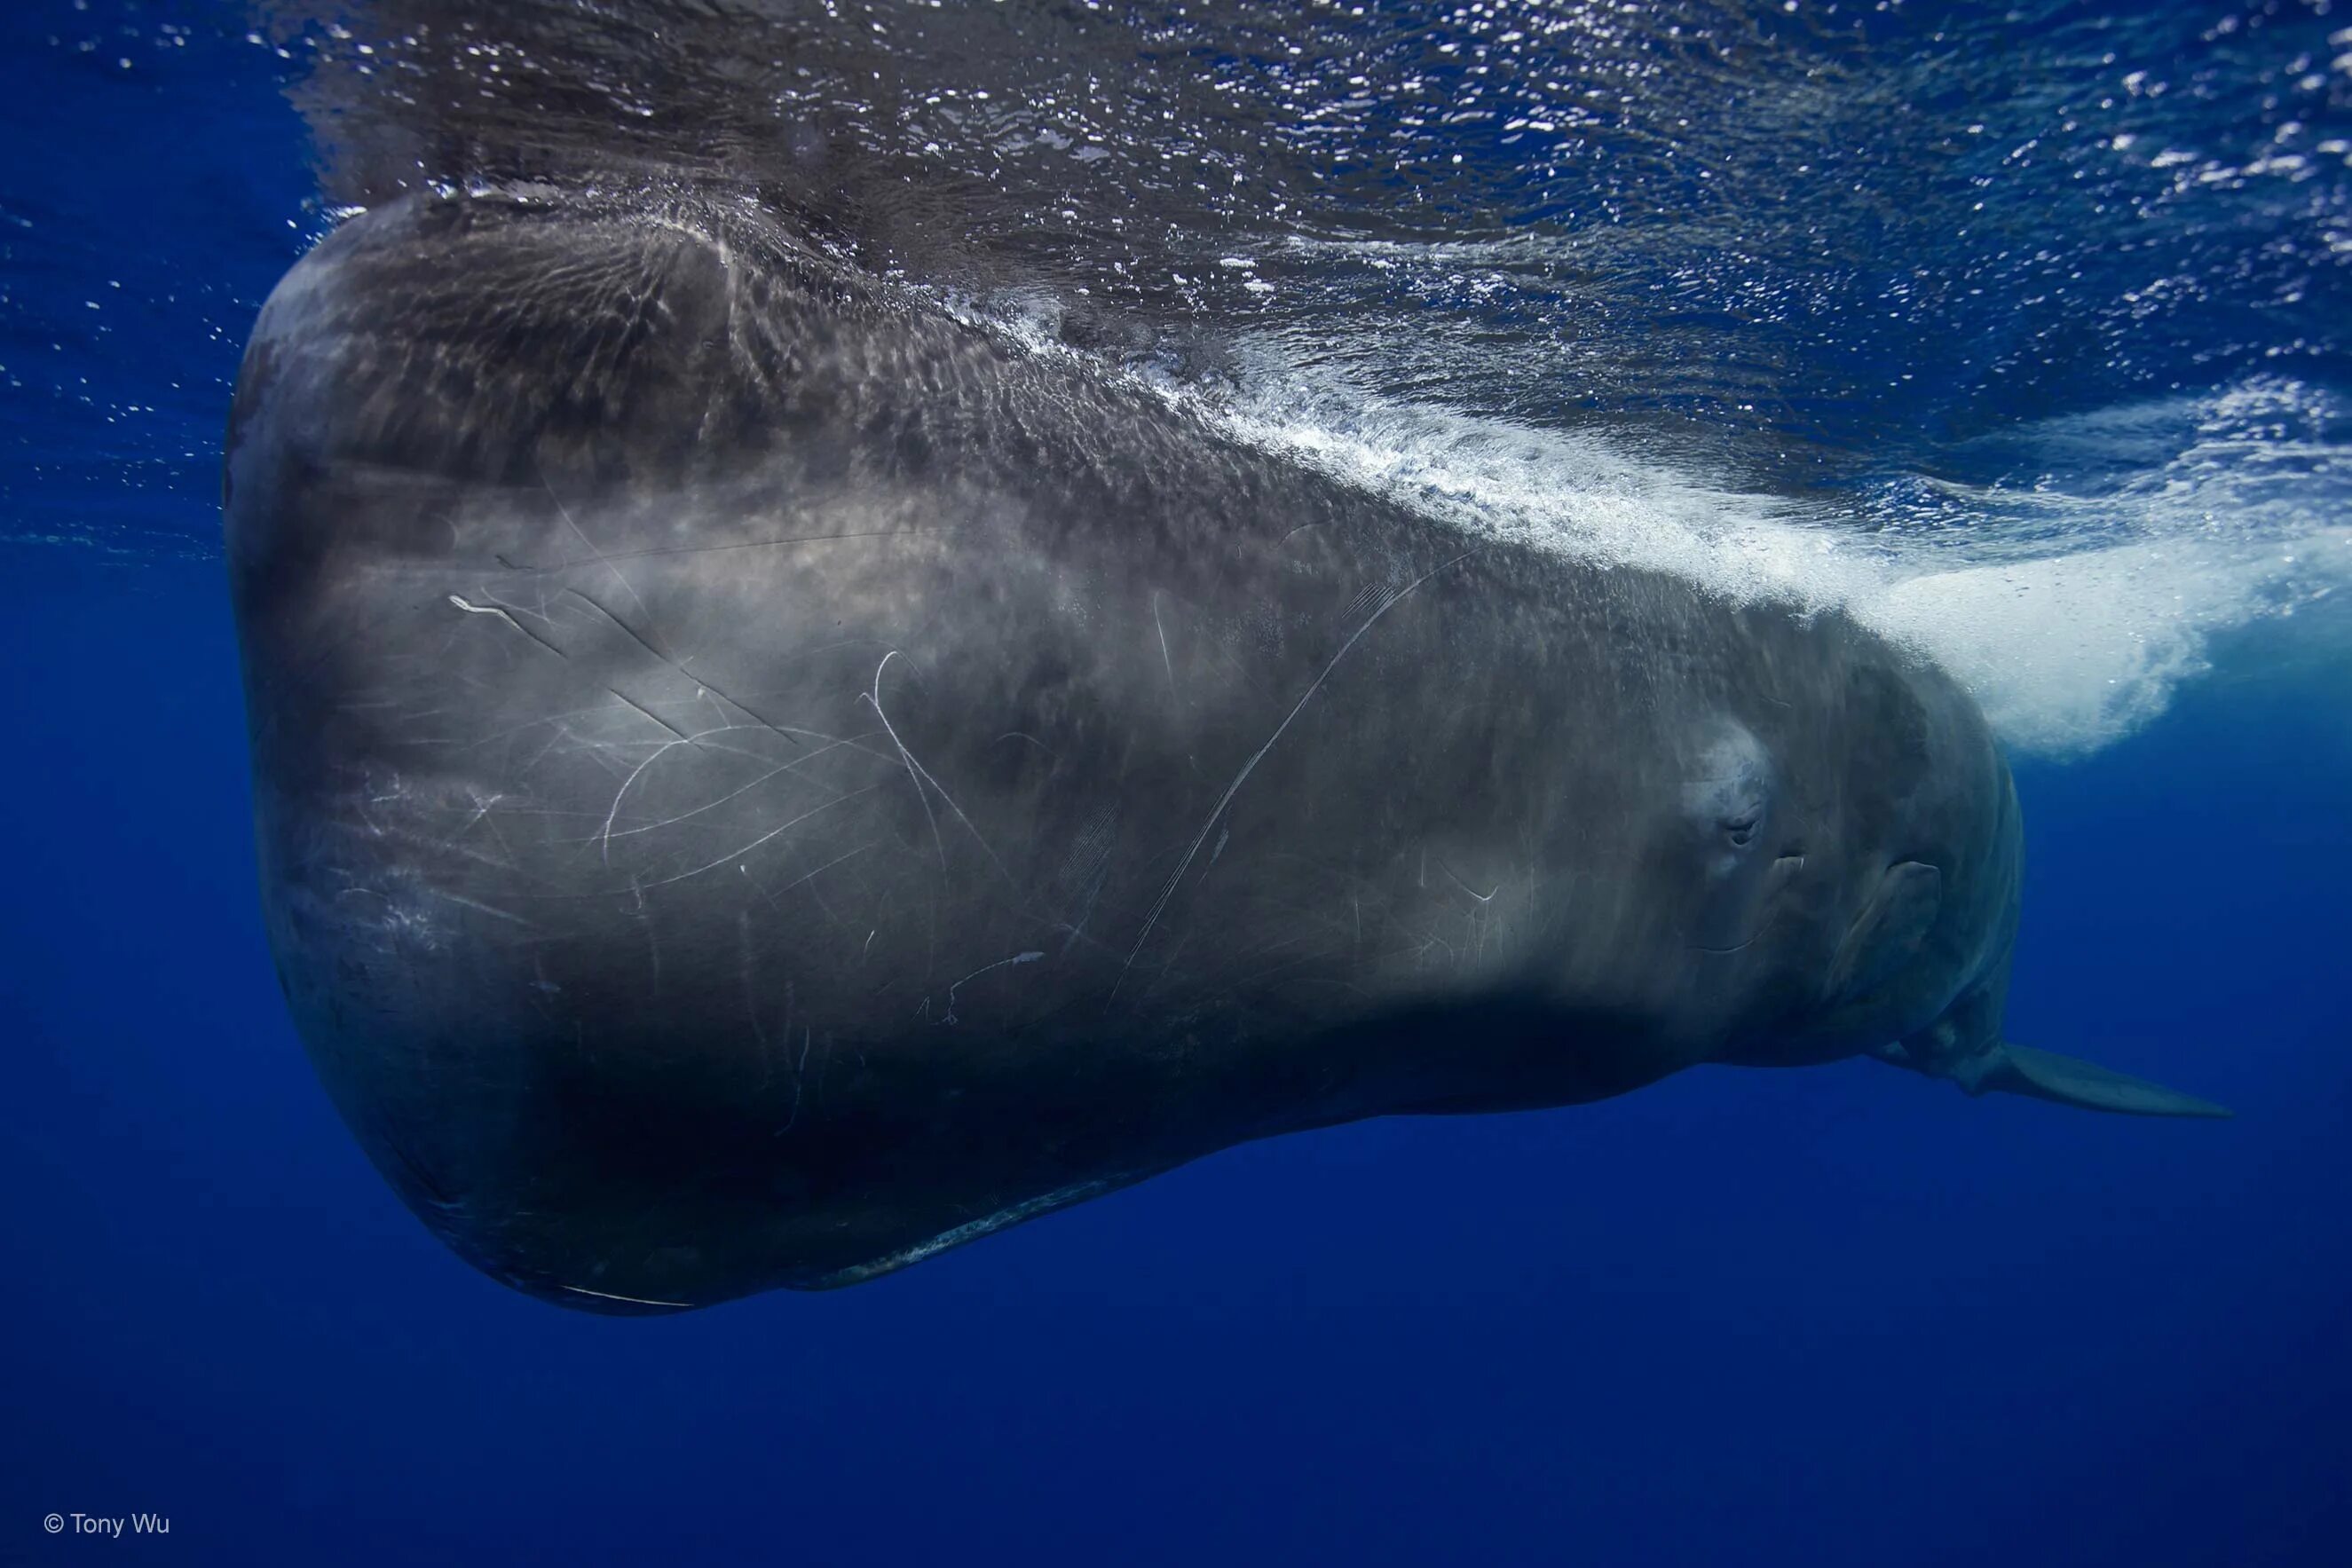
[
  {"x": 913, "y": 776},
  {"x": 1259, "y": 755},
  {"x": 481, "y": 810},
  {"x": 949, "y": 1015},
  {"x": 477, "y": 904},
  {"x": 920, "y": 776},
  {"x": 800, "y": 1081},
  {"x": 1165, "y": 662},
  {"x": 460, "y": 600},
  {"x": 595, "y": 554},
  {"x": 462, "y": 603},
  {"x": 608, "y": 835},
  {"x": 762, "y": 839},
  {"x": 825, "y": 867},
  {"x": 612, "y": 1296},
  {"x": 1486, "y": 898}
]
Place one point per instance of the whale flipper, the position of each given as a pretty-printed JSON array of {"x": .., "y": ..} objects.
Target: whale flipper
[
  {"x": 2046, "y": 1075},
  {"x": 2001, "y": 1068}
]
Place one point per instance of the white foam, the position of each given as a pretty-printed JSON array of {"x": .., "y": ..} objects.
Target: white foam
[
  {"x": 1564, "y": 491},
  {"x": 2072, "y": 613},
  {"x": 2070, "y": 651}
]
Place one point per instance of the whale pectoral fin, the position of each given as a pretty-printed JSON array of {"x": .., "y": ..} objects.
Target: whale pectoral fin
[
  {"x": 2007, "y": 1069},
  {"x": 2046, "y": 1075}
]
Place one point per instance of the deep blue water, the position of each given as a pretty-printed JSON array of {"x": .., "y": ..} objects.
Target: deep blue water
[{"x": 1839, "y": 1316}]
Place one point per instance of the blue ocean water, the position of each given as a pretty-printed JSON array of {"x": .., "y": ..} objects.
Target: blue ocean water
[{"x": 1838, "y": 1316}]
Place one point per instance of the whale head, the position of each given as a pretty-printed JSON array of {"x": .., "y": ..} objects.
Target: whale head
[{"x": 1882, "y": 919}]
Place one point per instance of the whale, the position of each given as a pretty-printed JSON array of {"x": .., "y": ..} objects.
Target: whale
[{"x": 759, "y": 777}]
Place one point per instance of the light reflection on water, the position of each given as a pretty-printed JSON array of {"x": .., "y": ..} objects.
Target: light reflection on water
[{"x": 2021, "y": 332}]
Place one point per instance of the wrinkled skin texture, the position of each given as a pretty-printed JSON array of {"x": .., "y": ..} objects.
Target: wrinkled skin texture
[{"x": 757, "y": 781}]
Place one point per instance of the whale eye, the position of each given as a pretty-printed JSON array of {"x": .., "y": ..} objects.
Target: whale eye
[{"x": 1727, "y": 796}]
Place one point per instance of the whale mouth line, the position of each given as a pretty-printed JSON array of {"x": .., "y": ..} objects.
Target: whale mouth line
[{"x": 1784, "y": 866}]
